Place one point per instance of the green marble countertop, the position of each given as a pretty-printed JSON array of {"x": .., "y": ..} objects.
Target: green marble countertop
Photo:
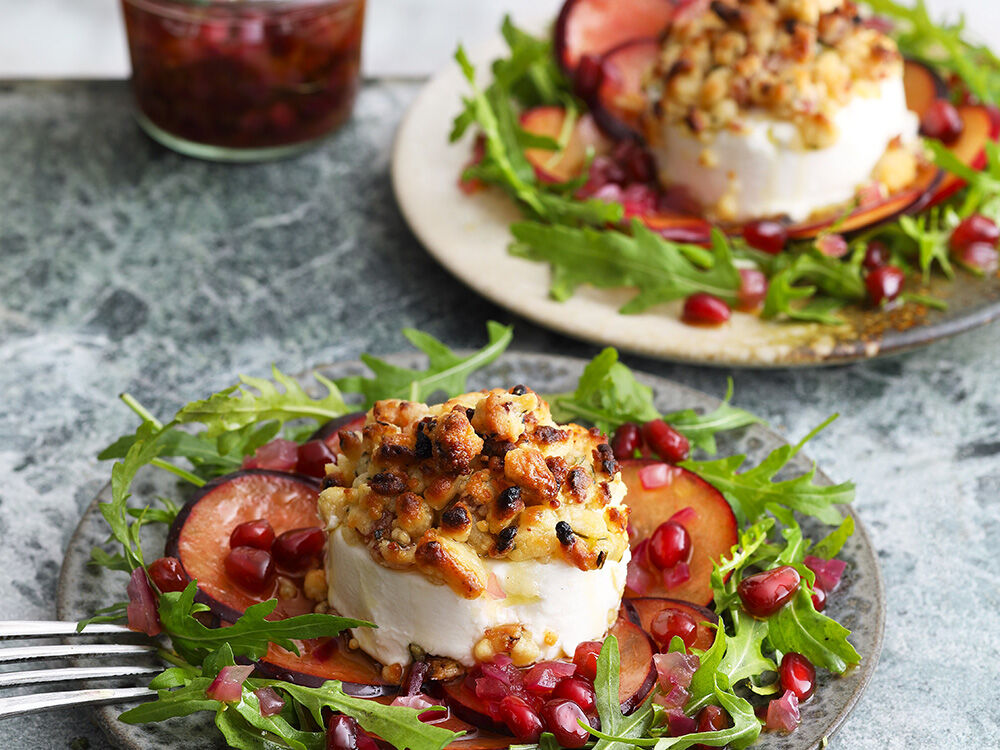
[{"x": 126, "y": 267}]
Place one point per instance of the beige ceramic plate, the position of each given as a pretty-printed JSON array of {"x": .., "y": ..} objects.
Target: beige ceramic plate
[{"x": 468, "y": 235}]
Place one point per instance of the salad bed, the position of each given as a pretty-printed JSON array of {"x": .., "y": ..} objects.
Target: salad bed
[
  {"x": 717, "y": 676},
  {"x": 553, "y": 132}
]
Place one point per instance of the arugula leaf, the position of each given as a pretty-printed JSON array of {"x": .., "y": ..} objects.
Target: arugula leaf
[
  {"x": 239, "y": 406},
  {"x": 799, "y": 627},
  {"x": 446, "y": 372},
  {"x": 744, "y": 656},
  {"x": 249, "y": 636},
  {"x": 398, "y": 725},
  {"x": 615, "y": 724},
  {"x": 112, "y": 613},
  {"x": 701, "y": 429},
  {"x": 750, "y": 491},
  {"x": 661, "y": 270},
  {"x": 786, "y": 290},
  {"x": 829, "y": 546},
  {"x": 931, "y": 241}
]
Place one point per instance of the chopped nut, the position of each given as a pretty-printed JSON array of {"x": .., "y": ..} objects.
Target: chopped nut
[{"x": 314, "y": 585}]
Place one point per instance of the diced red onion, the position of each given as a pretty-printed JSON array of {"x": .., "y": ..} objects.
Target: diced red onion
[
  {"x": 684, "y": 516},
  {"x": 783, "y": 713},
  {"x": 422, "y": 702},
  {"x": 654, "y": 476},
  {"x": 675, "y": 668},
  {"x": 676, "y": 575},
  {"x": 228, "y": 685},
  {"x": 675, "y": 697},
  {"x": 753, "y": 288},
  {"x": 415, "y": 678},
  {"x": 870, "y": 195},
  {"x": 828, "y": 572},
  {"x": 542, "y": 678},
  {"x": 270, "y": 702},
  {"x": 832, "y": 245},
  {"x": 141, "y": 610},
  {"x": 679, "y": 723},
  {"x": 494, "y": 589},
  {"x": 639, "y": 578},
  {"x": 277, "y": 455},
  {"x": 491, "y": 689}
]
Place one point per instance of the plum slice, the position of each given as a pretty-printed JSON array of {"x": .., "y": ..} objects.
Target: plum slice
[
  {"x": 621, "y": 96},
  {"x": 981, "y": 125},
  {"x": 593, "y": 27},
  {"x": 199, "y": 538},
  {"x": 329, "y": 433},
  {"x": 923, "y": 87},
  {"x": 642, "y": 610},
  {"x": 563, "y": 165},
  {"x": 710, "y": 523}
]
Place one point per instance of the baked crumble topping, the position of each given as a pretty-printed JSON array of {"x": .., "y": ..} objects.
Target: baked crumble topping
[
  {"x": 486, "y": 475},
  {"x": 798, "y": 61}
]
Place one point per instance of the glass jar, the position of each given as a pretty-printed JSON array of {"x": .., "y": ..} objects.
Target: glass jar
[{"x": 243, "y": 80}]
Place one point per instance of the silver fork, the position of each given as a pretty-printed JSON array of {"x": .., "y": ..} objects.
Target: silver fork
[{"x": 16, "y": 705}]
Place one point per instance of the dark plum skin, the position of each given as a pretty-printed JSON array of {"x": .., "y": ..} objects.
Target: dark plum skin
[{"x": 334, "y": 426}]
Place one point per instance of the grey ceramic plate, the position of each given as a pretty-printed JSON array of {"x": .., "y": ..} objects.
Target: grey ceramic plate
[
  {"x": 859, "y": 603},
  {"x": 469, "y": 236}
]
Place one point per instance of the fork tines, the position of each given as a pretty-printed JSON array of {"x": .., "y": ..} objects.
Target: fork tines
[{"x": 102, "y": 651}]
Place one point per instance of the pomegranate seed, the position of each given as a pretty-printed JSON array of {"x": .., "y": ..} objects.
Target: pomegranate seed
[
  {"x": 711, "y": 719},
  {"x": 589, "y": 75},
  {"x": 753, "y": 288},
  {"x": 168, "y": 574},
  {"x": 665, "y": 441},
  {"x": 669, "y": 545},
  {"x": 256, "y": 533},
  {"x": 767, "y": 236},
  {"x": 520, "y": 719},
  {"x": 585, "y": 658},
  {"x": 979, "y": 256},
  {"x": 705, "y": 309},
  {"x": 942, "y": 121},
  {"x": 313, "y": 458},
  {"x": 638, "y": 163},
  {"x": 973, "y": 229},
  {"x": 765, "y": 593},
  {"x": 343, "y": 733},
  {"x": 251, "y": 568},
  {"x": 876, "y": 256},
  {"x": 295, "y": 549},
  {"x": 578, "y": 690},
  {"x": 562, "y": 717},
  {"x": 819, "y": 598},
  {"x": 626, "y": 441},
  {"x": 670, "y": 623},
  {"x": 798, "y": 675},
  {"x": 884, "y": 284}
]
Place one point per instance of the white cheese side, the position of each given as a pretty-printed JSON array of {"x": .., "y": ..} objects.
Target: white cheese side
[
  {"x": 762, "y": 169},
  {"x": 571, "y": 604}
]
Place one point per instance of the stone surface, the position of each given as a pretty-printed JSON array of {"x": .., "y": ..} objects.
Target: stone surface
[{"x": 124, "y": 267}]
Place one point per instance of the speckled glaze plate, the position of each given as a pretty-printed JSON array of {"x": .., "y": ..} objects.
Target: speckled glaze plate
[
  {"x": 859, "y": 602},
  {"x": 469, "y": 235}
]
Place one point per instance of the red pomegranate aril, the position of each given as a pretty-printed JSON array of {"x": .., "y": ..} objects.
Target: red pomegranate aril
[
  {"x": 626, "y": 441},
  {"x": 520, "y": 719},
  {"x": 295, "y": 549},
  {"x": 168, "y": 574},
  {"x": 819, "y": 599},
  {"x": 942, "y": 121},
  {"x": 703, "y": 309},
  {"x": 711, "y": 719},
  {"x": 979, "y": 256},
  {"x": 876, "y": 256},
  {"x": 766, "y": 236},
  {"x": 585, "y": 658},
  {"x": 313, "y": 458},
  {"x": 589, "y": 75},
  {"x": 670, "y": 623},
  {"x": 669, "y": 545},
  {"x": 753, "y": 289},
  {"x": 562, "y": 717},
  {"x": 251, "y": 568},
  {"x": 578, "y": 690},
  {"x": 256, "y": 533},
  {"x": 765, "y": 593},
  {"x": 832, "y": 245},
  {"x": 798, "y": 675},
  {"x": 884, "y": 284},
  {"x": 665, "y": 441},
  {"x": 973, "y": 229},
  {"x": 543, "y": 678}
]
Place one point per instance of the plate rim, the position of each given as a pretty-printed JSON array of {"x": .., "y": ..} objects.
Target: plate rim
[
  {"x": 106, "y": 716},
  {"x": 892, "y": 342}
]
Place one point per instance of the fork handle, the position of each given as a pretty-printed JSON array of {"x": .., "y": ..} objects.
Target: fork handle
[{"x": 28, "y": 704}]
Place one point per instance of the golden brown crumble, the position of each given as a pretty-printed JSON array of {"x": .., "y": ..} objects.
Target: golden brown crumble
[{"x": 485, "y": 475}]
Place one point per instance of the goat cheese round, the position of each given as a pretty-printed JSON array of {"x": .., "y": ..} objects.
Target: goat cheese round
[
  {"x": 761, "y": 168},
  {"x": 556, "y": 605}
]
